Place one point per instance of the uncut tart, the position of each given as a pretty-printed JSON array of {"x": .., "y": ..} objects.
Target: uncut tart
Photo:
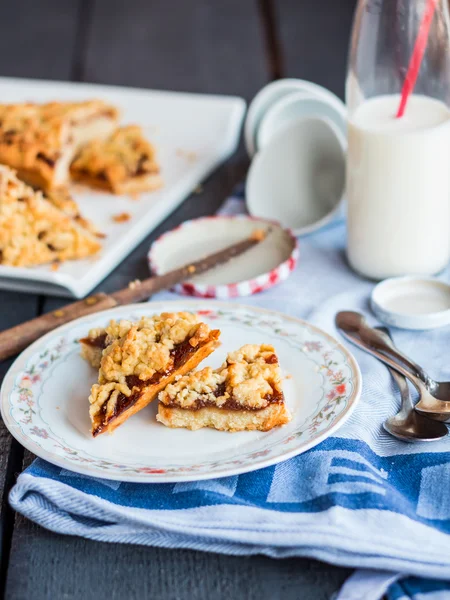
[
  {"x": 40, "y": 141},
  {"x": 123, "y": 163},
  {"x": 139, "y": 359},
  {"x": 33, "y": 231},
  {"x": 244, "y": 394}
]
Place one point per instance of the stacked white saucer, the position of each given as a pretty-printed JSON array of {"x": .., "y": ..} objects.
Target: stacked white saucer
[{"x": 296, "y": 135}]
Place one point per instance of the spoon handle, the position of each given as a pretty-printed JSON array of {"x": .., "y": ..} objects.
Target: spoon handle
[
  {"x": 376, "y": 338},
  {"x": 427, "y": 403},
  {"x": 406, "y": 401},
  {"x": 351, "y": 337},
  {"x": 395, "y": 352}
]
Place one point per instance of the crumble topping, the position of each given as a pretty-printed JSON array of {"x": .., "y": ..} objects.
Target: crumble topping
[
  {"x": 250, "y": 378},
  {"x": 136, "y": 352},
  {"x": 125, "y": 154},
  {"x": 258, "y": 235},
  {"x": 134, "y": 284},
  {"x": 28, "y": 124},
  {"x": 121, "y": 217},
  {"x": 199, "y": 387}
]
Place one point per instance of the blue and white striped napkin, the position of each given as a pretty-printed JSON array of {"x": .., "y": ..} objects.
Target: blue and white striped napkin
[{"x": 359, "y": 499}]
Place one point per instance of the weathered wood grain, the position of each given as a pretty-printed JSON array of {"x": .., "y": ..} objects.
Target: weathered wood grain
[
  {"x": 54, "y": 566},
  {"x": 37, "y": 38},
  {"x": 14, "y": 308},
  {"x": 314, "y": 39},
  {"x": 197, "y": 46}
]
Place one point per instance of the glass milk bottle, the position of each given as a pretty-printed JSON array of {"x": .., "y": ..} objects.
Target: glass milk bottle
[{"x": 398, "y": 169}]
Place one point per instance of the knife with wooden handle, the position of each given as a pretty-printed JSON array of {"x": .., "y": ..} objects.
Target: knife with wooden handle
[{"x": 13, "y": 340}]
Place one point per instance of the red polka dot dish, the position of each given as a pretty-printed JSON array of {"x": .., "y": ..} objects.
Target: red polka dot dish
[{"x": 266, "y": 264}]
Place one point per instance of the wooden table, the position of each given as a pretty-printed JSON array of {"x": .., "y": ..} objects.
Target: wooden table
[{"x": 216, "y": 46}]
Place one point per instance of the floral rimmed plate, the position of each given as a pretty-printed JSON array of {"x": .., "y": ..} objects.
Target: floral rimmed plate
[{"x": 44, "y": 400}]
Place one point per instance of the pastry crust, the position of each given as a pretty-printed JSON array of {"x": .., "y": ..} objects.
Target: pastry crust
[
  {"x": 124, "y": 163},
  {"x": 139, "y": 359},
  {"x": 224, "y": 420},
  {"x": 39, "y": 141},
  {"x": 91, "y": 353},
  {"x": 244, "y": 394},
  {"x": 33, "y": 231}
]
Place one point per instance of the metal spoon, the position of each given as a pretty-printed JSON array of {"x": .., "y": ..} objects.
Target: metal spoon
[
  {"x": 439, "y": 389},
  {"x": 408, "y": 425},
  {"x": 366, "y": 338}
]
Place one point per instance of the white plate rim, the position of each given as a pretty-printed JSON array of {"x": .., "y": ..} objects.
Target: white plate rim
[{"x": 262, "y": 462}]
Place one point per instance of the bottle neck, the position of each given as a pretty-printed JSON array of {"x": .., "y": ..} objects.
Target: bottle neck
[{"x": 382, "y": 43}]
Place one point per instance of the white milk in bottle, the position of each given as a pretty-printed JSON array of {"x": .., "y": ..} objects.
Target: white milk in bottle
[{"x": 398, "y": 187}]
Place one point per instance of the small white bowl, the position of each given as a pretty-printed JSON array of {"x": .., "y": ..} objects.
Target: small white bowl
[
  {"x": 412, "y": 302},
  {"x": 273, "y": 92},
  {"x": 298, "y": 179},
  {"x": 298, "y": 105}
]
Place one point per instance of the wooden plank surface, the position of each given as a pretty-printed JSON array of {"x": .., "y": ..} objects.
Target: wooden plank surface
[
  {"x": 196, "y": 46},
  {"x": 36, "y": 40},
  {"x": 14, "y": 309},
  {"x": 199, "y": 46},
  {"x": 98, "y": 571},
  {"x": 314, "y": 40}
]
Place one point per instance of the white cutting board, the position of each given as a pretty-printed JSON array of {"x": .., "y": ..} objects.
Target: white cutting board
[{"x": 193, "y": 134}]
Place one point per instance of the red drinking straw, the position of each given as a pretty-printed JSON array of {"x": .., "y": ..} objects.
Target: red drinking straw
[{"x": 417, "y": 55}]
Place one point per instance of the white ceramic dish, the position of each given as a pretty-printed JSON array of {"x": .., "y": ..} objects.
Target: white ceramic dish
[
  {"x": 273, "y": 92},
  {"x": 44, "y": 401},
  {"x": 193, "y": 134},
  {"x": 295, "y": 106},
  {"x": 412, "y": 302},
  {"x": 261, "y": 267},
  {"x": 298, "y": 179}
]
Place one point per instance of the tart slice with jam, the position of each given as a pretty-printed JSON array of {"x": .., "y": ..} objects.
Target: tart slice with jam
[
  {"x": 124, "y": 163},
  {"x": 138, "y": 360},
  {"x": 244, "y": 394}
]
